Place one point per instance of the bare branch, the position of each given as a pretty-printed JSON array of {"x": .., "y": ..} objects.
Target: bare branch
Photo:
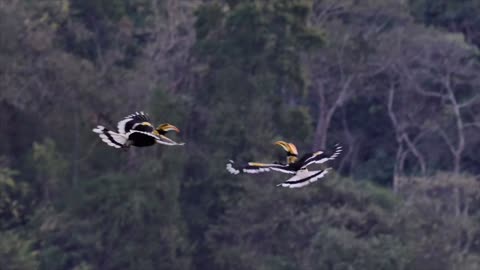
[
  {"x": 447, "y": 140},
  {"x": 470, "y": 102},
  {"x": 472, "y": 125}
]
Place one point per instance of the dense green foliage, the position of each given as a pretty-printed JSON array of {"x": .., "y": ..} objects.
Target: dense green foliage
[{"x": 395, "y": 82}]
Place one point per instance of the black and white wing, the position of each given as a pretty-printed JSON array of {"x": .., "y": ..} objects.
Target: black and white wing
[
  {"x": 127, "y": 123},
  {"x": 159, "y": 139},
  {"x": 256, "y": 167},
  {"x": 303, "y": 178},
  {"x": 111, "y": 138},
  {"x": 319, "y": 157}
]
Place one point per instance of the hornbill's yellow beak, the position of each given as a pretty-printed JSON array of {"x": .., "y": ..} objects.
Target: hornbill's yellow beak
[
  {"x": 167, "y": 127},
  {"x": 293, "y": 149},
  {"x": 284, "y": 145},
  {"x": 289, "y": 147}
]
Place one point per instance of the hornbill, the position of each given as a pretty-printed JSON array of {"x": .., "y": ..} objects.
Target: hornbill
[
  {"x": 136, "y": 130},
  {"x": 294, "y": 165}
]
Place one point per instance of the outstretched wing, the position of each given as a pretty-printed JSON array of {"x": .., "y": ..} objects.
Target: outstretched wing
[
  {"x": 256, "y": 167},
  {"x": 319, "y": 157},
  {"x": 111, "y": 138},
  {"x": 303, "y": 178},
  {"x": 159, "y": 139},
  {"x": 167, "y": 141},
  {"x": 125, "y": 125}
]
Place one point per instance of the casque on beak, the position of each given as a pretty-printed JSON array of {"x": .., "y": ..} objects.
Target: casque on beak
[
  {"x": 293, "y": 149},
  {"x": 168, "y": 127},
  {"x": 289, "y": 147},
  {"x": 284, "y": 145}
]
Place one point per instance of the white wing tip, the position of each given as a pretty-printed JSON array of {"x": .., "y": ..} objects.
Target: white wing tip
[
  {"x": 231, "y": 169},
  {"x": 98, "y": 129},
  {"x": 338, "y": 151}
]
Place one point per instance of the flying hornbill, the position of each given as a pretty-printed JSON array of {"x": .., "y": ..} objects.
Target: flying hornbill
[
  {"x": 136, "y": 130},
  {"x": 294, "y": 165}
]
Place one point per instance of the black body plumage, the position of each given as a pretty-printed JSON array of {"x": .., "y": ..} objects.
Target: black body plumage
[
  {"x": 136, "y": 130},
  {"x": 298, "y": 167}
]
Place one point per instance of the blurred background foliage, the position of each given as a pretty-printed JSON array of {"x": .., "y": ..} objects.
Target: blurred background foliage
[{"x": 395, "y": 82}]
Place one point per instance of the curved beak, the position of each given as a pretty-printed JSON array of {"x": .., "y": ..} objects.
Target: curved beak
[
  {"x": 284, "y": 145},
  {"x": 289, "y": 147},
  {"x": 168, "y": 127},
  {"x": 293, "y": 149}
]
